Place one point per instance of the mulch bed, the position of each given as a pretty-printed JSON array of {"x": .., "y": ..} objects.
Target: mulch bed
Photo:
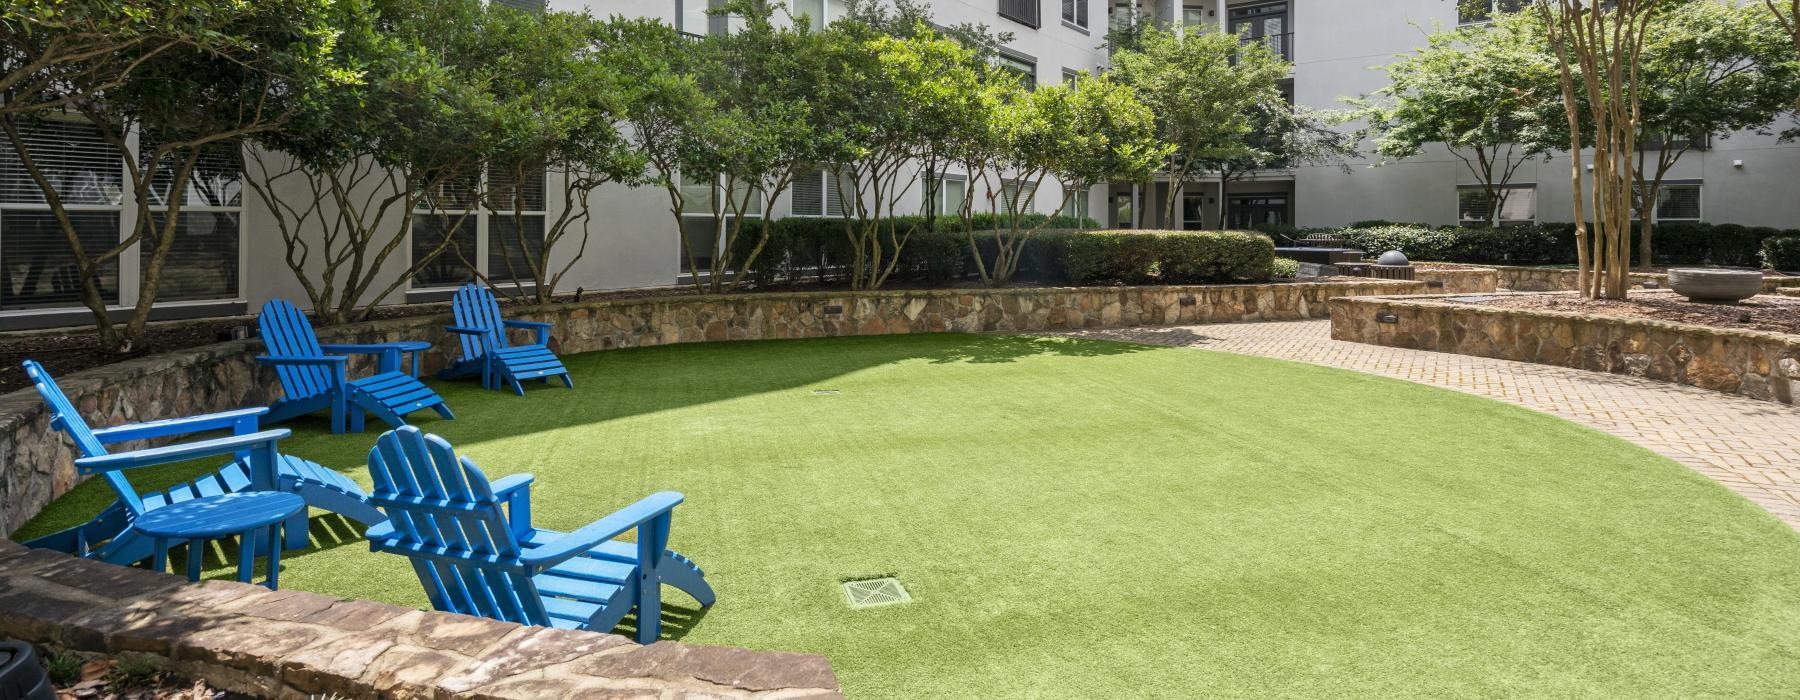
[{"x": 1762, "y": 313}]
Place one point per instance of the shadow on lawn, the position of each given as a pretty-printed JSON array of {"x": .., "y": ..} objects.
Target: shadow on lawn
[{"x": 611, "y": 385}]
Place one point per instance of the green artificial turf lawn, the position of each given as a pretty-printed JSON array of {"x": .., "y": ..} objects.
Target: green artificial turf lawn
[{"x": 1088, "y": 519}]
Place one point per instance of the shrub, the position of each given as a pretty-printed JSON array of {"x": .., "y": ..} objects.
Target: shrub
[
  {"x": 1380, "y": 223},
  {"x": 1167, "y": 257},
  {"x": 1782, "y": 252},
  {"x": 1284, "y": 268},
  {"x": 1514, "y": 245}
]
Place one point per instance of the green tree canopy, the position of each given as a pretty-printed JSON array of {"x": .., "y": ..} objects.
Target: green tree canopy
[{"x": 1202, "y": 87}]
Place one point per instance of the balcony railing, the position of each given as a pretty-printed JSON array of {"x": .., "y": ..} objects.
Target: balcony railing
[
  {"x": 1280, "y": 44},
  {"x": 1022, "y": 11}
]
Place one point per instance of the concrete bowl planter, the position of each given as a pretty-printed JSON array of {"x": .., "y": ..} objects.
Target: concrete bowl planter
[{"x": 1720, "y": 286}]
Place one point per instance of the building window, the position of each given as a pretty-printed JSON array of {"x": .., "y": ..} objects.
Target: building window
[
  {"x": 515, "y": 223},
  {"x": 1676, "y": 202},
  {"x": 1075, "y": 12},
  {"x": 1077, "y": 206},
  {"x": 1024, "y": 67},
  {"x": 691, "y": 17},
  {"x": 945, "y": 195},
  {"x": 700, "y": 229},
  {"x": 1021, "y": 11},
  {"x": 1518, "y": 205},
  {"x": 1071, "y": 78},
  {"x": 813, "y": 11},
  {"x": 819, "y": 193},
  {"x": 1478, "y": 11},
  {"x": 37, "y": 265},
  {"x": 202, "y": 263},
  {"x": 1010, "y": 189},
  {"x": 492, "y": 233},
  {"x": 447, "y": 223}
]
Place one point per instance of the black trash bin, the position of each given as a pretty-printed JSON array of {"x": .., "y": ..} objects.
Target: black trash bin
[{"x": 22, "y": 677}]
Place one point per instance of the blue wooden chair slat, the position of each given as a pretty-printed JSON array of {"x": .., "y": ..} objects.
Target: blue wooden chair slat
[
  {"x": 475, "y": 551},
  {"x": 489, "y": 353},
  {"x": 108, "y": 536},
  {"x": 313, "y": 379}
]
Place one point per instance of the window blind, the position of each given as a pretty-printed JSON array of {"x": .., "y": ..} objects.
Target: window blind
[{"x": 82, "y": 168}]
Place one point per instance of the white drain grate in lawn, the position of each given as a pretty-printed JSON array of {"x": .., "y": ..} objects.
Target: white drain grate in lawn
[
  {"x": 869, "y": 593},
  {"x": 825, "y": 392}
]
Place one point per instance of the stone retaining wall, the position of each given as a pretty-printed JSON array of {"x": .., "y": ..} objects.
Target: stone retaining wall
[
  {"x": 1566, "y": 279},
  {"x": 290, "y": 644},
  {"x": 1757, "y": 364},
  {"x": 36, "y": 467},
  {"x": 1450, "y": 280}
]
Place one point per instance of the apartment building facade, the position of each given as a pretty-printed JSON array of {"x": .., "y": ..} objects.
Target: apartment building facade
[{"x": 230, "y": 257}]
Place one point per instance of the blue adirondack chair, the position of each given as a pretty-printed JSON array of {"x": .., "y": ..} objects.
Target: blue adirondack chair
[
  {"x": 487, "y": 351},
  {"x": 474, "y": 549},
  {"x": 255, "y": 465},
  {"x": 315, "y": 376}
]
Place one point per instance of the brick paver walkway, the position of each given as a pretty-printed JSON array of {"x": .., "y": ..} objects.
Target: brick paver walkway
[{"x": 1752, "y": 447}]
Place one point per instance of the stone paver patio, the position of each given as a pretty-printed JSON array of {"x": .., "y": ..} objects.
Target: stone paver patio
[{"x": 1750, "y": 446}]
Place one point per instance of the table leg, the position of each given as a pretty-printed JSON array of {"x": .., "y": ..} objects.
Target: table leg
[
  {"x": 274, "y": 556},
  {"x": 196, "y": 550},
  {"x": 159, "y": 557},
  {"x": 247, "y": 557}
]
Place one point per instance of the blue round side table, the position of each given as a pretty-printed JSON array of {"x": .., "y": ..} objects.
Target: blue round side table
[{"x": 242, "y": 514}]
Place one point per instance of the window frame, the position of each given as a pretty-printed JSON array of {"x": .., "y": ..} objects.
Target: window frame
[
  {"x": 681, "y": 258},
  {"x": 1530, "y": 187},
  {"x": 480, "y": 214},
  {"x": 1022, "y": 65},
  {"x": 129, "y": 272},
  {"x": 1075, "y": 14},
  {"x": 1656, "y": 209},
  {"x": 1494, "y": 7}
]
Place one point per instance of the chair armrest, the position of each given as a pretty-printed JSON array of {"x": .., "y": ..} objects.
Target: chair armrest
[
  {"x": 291, "y": 360},
  {"x": 540, "y": 329},
  {"x": 241, "y": 421},
  {"x": 515, "y": 491},
  {"x": 390, "y": 354},
  {"x": 465, "y": 330},
  {"x": 181, "y": 452},
  {"x": 575, "y": 543},
  {"x": 504, "y": 488}
]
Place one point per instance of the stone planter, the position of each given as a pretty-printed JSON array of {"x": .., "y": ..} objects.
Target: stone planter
[{"x": 1724, "y": 286}]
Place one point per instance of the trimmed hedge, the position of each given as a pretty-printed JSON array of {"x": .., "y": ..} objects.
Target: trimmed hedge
[
  {"x": 1168, "y": 257},
  {"x": 813, "y": 250},
  {"x": 1554, "y": 244},
  {"x": 1781, "y": 253}
]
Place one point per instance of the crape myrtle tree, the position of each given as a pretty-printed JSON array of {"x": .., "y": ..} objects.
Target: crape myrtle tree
[
  {"x": 558, "y": 107},
  {"x": 907, "y": 19},
  {"x": 1202, "y": 87},
  {"x": 1709, "y": 68},
  {"x": 184, "y": 103},
  {"x": 54, "y": 51},
  {"x": 1599, "y": 50},
  {"x": 898, "y": 101},
  {"x": 1485, "y": 92},
  {"x": 1079, "y": 136},
  {"x": 344, "y": 176},
  {"x": 1283, "y": 136},
  {"x": 757, "y": 138}
]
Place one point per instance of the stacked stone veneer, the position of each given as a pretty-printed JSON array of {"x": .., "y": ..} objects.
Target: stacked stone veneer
[
  {"x": 1757, "y": 364},
  {"x": 290, "y": 644},
  {"x": 1564, "y": 279},
  {"x": 38, "y": 465},
  {"x": 1445, "y": 280}
]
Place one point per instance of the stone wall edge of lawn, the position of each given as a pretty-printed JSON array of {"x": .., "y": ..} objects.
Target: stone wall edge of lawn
[
  {"x": 250, "y": 640},
  {"x": 1761, "y": 365}
]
